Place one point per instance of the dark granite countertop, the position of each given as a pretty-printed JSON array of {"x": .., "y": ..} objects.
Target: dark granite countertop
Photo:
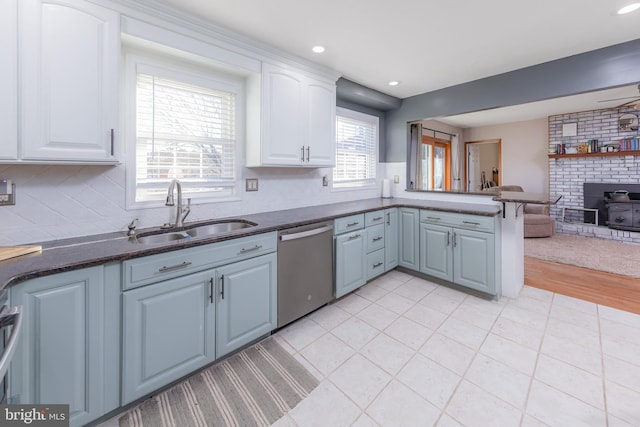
[
  {"x": 69, "y": 254},
  {"x": 524, "y": 197}
]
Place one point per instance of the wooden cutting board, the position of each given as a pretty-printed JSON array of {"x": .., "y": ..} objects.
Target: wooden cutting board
[{"x": 7, "y": 252}]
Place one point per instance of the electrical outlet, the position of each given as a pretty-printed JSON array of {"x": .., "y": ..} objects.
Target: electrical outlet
[
  {"x": 251, "y": 184},
  {"x": 7, "y": 192},
  {"x": 325, "y": 181},
  {"x": 396, "y": 179}
]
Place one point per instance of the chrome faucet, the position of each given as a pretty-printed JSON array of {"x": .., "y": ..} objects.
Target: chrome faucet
[{"x": 181, "y": 213}]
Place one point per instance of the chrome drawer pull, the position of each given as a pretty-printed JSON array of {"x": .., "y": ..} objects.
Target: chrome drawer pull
[
  {"x": 375, "y": 239},
  {"x": 470, "y": 222},
  {"x": 255, "y": 248},
  {"x": 434, "y": 218},
  {"x": 174, "y": 267},
  {"x": 355, "y": 236},
  {"x": 353, "y": 224},
  {"x": 376, "y": 265},
  {"x": 378, "y": 218}
]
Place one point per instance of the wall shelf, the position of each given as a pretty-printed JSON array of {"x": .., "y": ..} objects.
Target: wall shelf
[{"x": 599, "y": 154}]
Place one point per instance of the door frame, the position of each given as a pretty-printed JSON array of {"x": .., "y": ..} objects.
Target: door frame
[
  {"x": 446, "y": 144},
  {"x": 466, "y": 158}
]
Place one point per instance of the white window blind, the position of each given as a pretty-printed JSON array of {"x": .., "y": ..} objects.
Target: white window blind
[
  {"x": 186, "y": 132},
  {"x": 356, "y": 149}
]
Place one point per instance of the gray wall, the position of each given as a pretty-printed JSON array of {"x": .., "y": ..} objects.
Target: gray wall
[{"x": 613, "y": 66}]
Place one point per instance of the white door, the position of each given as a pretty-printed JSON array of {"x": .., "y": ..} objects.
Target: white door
[{"x": 473, "y": 168}]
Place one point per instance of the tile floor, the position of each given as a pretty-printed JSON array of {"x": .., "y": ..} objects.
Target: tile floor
[{"x": 404, "y": 351}]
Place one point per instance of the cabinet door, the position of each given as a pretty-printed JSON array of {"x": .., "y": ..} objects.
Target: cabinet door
[
  {"x": 391, "y": 239},
  {"x": 283, "y": 117},
  {"x": 60, "y": 355},
  {"x": 168, "y": 332},
  {"x": 69, "y": 61},
  {"x": 9, "y": 79},
  {"x": 247, "y": 302},
  {"x": 436, "y": 255},
  {"x": 351, "y": 268},
  {"x": 321, "y": 124},
  {"x": 474, "y": 260},
  {"x": 408, "y": 234}
]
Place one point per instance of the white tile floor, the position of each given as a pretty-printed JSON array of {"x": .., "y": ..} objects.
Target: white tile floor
[{"x": 404, "y": 351}]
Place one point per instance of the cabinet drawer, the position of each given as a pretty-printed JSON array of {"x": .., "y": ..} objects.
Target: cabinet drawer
[
  {"x": 375, "y": 264},
  {"x": 154, "y": 268},
  {"x": 373, "y": 218},
  {"x": 348, "y": 223},
  {"x": 471, "y": 222},
  {"x": 375, "y": 238}
]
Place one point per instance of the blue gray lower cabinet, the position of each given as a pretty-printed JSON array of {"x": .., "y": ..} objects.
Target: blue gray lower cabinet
[
  {"x": 391, "y": 239},
  {"x": 460, "y": 255},
  {"x": 168, "y": 331},
  {"x": 351, "y": 268},
  {"x": 247, "y": 302},
  {"x": 408, "y": 235},
  {"x": 176, "y": 326},
  {"x": 60, "y": 358}
]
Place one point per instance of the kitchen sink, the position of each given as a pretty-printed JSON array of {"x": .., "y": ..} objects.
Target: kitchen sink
[
  {"x": 149, "y": 239},
  {"x": 217, "y": 227},
  {"x": 192, "y": 231}
]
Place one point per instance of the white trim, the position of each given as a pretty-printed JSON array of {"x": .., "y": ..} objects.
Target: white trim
[{"x": 208, "y": 75}]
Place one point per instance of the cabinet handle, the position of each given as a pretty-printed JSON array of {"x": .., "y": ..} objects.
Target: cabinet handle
[
  {"x": 302, "y": 154},
  {"x": 211, "y": 290},
  {"x": 164, "y": 269},
  {"x": 376, "y": 265},
  {"x": 378, "y": 218},
  {"x": 112, "y": 139},
  {"x": 448, "y": 238},
  {"x": 470, "y": 223},
  {"x": 308, "y": 151},
  {"x": 255, "y": 248},
  {"x": 375, "y": 239},
  {"x": 353, "y": 224},
  {"x": 353, "y": 237},
  {"x": 222, "y": 287},
  {"x": 454, "y": 239},
  {"x": 388, "y": 218},
  {"x": 433, "y": 218}
]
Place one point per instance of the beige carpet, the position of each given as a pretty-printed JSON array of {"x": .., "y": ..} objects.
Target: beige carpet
[{"x": 588, "y": 252}]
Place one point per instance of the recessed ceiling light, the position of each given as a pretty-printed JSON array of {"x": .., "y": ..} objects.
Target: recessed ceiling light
[
  {"x": 394, "y": 83},
  {"x": 318, "y": 49},
  {"x": 629, "y": 8}
]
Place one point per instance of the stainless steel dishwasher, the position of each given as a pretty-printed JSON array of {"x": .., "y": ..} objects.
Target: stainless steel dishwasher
[{"x": 305, "y": 270}]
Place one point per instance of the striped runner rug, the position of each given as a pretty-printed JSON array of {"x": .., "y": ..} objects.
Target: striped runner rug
[{"x": 254, "y": 387}]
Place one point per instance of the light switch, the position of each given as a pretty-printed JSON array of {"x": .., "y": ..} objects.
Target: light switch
[{"x": 7, "y": 192}]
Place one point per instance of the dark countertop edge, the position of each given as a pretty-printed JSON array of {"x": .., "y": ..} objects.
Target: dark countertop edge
[
  {"x": 524, "y": 197},
  {"x": 116, "y": 247}
]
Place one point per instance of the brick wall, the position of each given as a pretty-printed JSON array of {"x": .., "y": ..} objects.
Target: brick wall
[{"x": 567, "y": 175}]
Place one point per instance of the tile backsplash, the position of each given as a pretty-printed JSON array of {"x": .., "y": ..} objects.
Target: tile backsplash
[{"x": 57, "y": 202}]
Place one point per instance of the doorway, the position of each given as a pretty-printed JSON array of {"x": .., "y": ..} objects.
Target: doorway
[
  {"x": 435, "y": 155},
  {"x": 483, "y": 164}
]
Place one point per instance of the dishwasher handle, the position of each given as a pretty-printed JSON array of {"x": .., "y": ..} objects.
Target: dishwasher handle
[{"x": 307, "y": 233}]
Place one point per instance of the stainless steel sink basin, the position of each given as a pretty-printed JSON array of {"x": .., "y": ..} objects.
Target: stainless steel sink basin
[
  {"x": 192, "y": 231},
  {"x": 166, "y": 237},
  {"x": 217, "y": 227}
]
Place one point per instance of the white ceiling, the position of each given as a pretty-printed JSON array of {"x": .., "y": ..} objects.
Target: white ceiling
[{"x": 424, "y": 44}]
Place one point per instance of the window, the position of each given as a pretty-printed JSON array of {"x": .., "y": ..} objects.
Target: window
[
  {"x": 185, "y": 128},
  {"x": 356, "y": 149}
]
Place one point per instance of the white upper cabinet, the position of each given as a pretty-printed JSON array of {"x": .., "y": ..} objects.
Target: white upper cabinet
[
  {"x": 69, "y": 60},
  {"x": 9, "y": 79},
  {"x": 291, "y": 119}
]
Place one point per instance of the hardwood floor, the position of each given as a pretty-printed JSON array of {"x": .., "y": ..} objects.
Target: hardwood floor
[{"x": 608, "y": 289}]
